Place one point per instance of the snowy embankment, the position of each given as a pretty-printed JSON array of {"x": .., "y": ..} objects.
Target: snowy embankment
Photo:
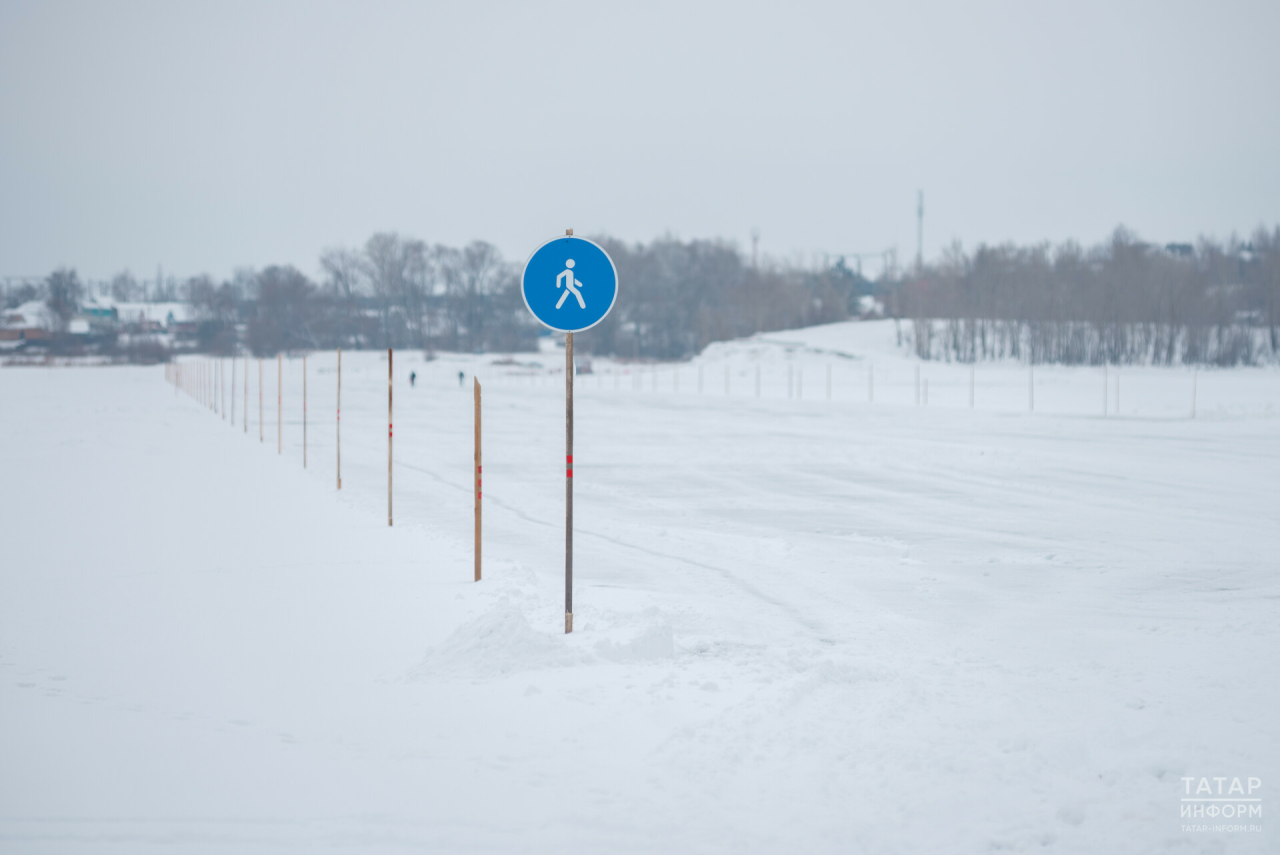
[{"x": 800, "y": 625}]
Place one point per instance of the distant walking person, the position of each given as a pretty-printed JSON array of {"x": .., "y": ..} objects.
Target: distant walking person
[
  {"x": 413, "y": 377},
  {"x": 461, "y": 377},
  {"x": 569, "y": 283}
]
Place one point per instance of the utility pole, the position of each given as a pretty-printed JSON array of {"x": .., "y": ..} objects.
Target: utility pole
[{"x": 919, "y": 230}]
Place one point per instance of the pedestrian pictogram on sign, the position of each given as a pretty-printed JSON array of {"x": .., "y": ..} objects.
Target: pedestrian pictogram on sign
[{"x": 569, "y": 284}]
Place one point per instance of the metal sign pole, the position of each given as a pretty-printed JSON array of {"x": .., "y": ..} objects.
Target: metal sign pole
[
  {"x": 338, "y": 420},
  {"x": 304, "y": 412},
  {"x": 390, "y": 374},
  {"x": 568, "y": 481},
  {"x": 569, "y": 284}
]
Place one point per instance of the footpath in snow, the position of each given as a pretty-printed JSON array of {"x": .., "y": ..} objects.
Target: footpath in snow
[{"x": 802, "y": 623}]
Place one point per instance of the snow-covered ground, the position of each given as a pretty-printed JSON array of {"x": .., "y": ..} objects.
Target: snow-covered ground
[{"x": 801, "y": 624}]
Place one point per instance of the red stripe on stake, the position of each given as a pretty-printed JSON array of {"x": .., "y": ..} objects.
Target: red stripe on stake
[{"x": 569, "y": 466}]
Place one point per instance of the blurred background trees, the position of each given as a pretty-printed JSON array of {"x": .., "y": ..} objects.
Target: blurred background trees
[{"x": 1124, "y": 300}]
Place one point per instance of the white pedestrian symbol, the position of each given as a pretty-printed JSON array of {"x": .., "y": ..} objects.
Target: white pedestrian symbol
[{"x": 569, "y": 285}]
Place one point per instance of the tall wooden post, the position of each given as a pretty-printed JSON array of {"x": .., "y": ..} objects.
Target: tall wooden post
[
  {"x": 568, "y": 483},
  {"x": 479, "y": 470},
  {"x": 390, "y": 374},
  {"x": 279, "y": 403},
  {"x": 304, "y": 412},
  {"x": 338, "y": 423}
]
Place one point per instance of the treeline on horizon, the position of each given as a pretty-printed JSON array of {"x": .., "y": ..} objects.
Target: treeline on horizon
[{"x": 1123, "y": 301}]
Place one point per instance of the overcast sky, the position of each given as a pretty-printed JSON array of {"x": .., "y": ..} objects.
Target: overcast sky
[{"x": 207, "y": 136}]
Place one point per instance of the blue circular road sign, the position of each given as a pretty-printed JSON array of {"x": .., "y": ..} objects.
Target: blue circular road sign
[{"x": 569, "y": 284}]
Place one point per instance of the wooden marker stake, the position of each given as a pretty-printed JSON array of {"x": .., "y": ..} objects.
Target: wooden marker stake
[
  {"x": 478, "y": 472},
  {"x": 568, "y": 482},
  {"x": 389, "y": 391},
  {"x": 338, "y": 422}
]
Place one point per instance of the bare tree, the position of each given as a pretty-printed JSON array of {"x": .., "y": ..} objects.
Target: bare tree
[
  {"x": 64, "y": 292},
  {"x": 398, "y": 271},
  {"x": 344, "y": 272},
  {"x": 124, "y": 287},
  {"x": 472, "y": 276},
  {"x": 285, "y": 312}
]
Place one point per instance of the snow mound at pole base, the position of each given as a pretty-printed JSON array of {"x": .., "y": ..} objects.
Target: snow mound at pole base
[
  {"x": 498, "y": 642},
  {"x": 655, "y": 642}
]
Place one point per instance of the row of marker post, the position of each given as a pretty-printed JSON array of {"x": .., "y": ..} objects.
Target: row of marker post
[
  {"x": 205, "y": 381},
  {"x": 795, "y": 385}
]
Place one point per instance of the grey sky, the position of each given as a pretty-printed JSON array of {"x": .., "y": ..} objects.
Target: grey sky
[{"x": 204, "y": 136}]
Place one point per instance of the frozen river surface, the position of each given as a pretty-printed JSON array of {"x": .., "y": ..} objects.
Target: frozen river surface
[{"x": 801, "y": 624}]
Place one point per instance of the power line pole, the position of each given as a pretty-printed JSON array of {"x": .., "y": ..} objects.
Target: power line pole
[{"x": 919, "y": 230}]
